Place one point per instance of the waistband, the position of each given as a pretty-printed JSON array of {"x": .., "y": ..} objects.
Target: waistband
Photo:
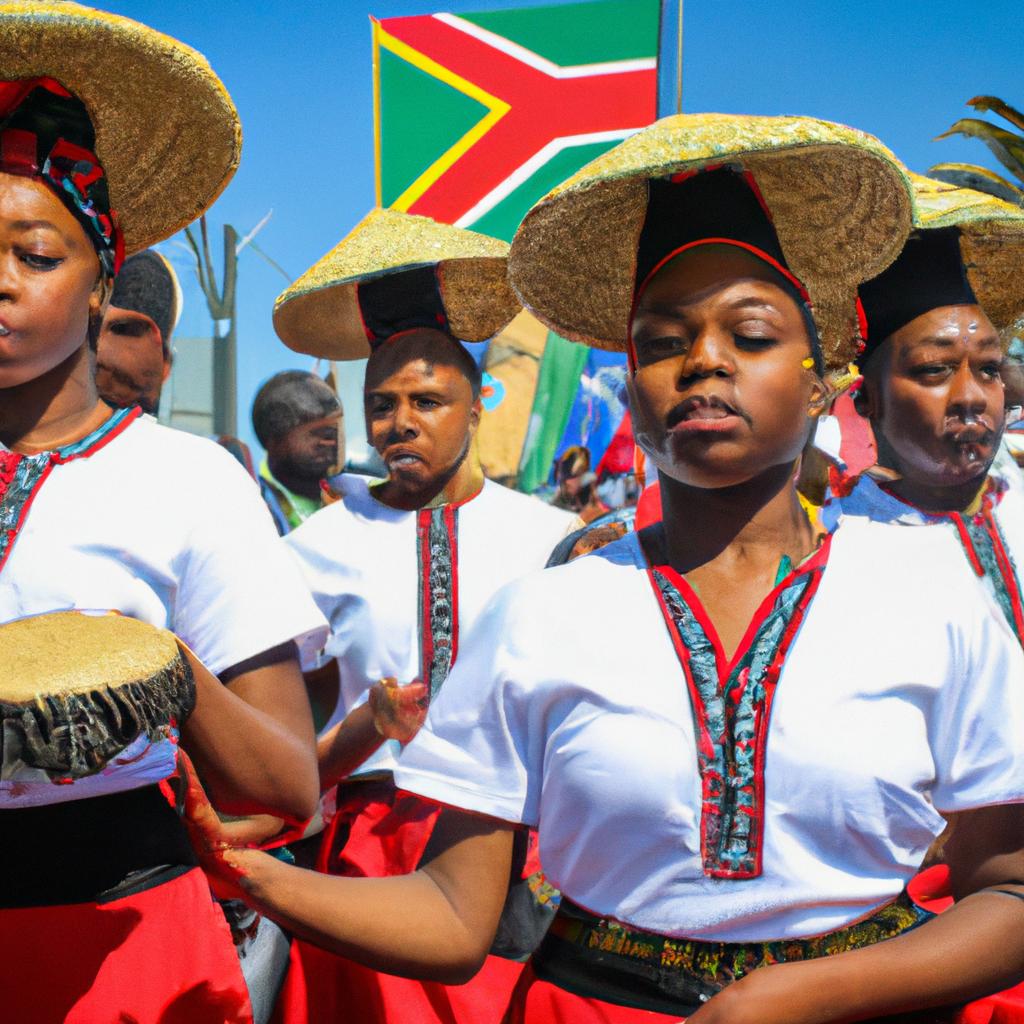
[
  {"x": 602, "y": 959},
  {"x": 93, "y": 850}
]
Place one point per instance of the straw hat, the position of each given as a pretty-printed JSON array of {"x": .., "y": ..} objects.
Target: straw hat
[
  {"x": 991, "y": 244},
  {"x": 839, "y": 201},
  {"x": 167, "y": 133},
  {"x": 320, "y": 315}
]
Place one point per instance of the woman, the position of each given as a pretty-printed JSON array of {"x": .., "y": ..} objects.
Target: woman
[
  {"x": 108, "y": 510},
  {"x": 939, "y": 320},
  {"x": 692, "y": 841}
]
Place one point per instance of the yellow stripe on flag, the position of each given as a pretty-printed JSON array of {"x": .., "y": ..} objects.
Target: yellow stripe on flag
[{"x": 497, "y": 109}]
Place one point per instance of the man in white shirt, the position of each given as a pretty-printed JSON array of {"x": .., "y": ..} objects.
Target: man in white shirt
[{"x": 401, "y": 569}]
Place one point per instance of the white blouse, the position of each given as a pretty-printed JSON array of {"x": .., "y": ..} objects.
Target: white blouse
[
  {"x": 996, "y": 530},
  {"x": 901, "y": 695},
  {"x": 161, "y": 526},
  {"x": 367, "y": 566}
]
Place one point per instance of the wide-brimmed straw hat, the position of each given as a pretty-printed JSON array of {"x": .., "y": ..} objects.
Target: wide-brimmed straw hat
[
  {"x": 839, "y": 201},
  {"x": 991, "y": 245},
  {"x": 167, "y": 132},
  {"x": 320, "y": 313}
]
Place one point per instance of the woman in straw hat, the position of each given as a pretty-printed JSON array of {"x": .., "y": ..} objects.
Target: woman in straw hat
[
  {"x": 112, "y": 137},
  {"x": 731, "y": 808},
  {"x": 403, "y": 568}
]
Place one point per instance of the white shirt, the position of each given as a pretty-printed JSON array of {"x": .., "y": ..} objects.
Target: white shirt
[
  {"x": 868, "y": 501},
  {"x": 364, "y": 564},
  {"x": 164, "y": 527},
  {"x": 902, "y": 695}
]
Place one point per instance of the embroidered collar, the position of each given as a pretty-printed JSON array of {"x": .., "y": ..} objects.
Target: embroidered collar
[
  {"x": 21, "y": 476},
  {"x": 731, "y": 700}
]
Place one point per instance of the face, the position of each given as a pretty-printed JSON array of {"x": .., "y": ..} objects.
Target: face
[
  {"x": 421, "y": 419},
  {"x": 49, "y": 282},
  {"x": 935, "y": 398},
  {"x": 310, "y": 450},
  {"x": 720, "y": 393},
  {"x": 130, "y": 364}
]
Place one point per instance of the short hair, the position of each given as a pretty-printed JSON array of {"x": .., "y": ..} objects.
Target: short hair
[
  {"x": 288, "y": 400},
  {"x": 147, "y": 284},
  {"x": 434, "y": 347}
]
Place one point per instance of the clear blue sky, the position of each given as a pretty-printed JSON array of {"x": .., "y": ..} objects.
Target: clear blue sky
[{"x": 301, "y": 77}]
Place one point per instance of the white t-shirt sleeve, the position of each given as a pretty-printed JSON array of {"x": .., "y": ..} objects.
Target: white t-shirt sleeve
[
  {"x": 977, "y": 720},
  {"x": 482, "y": 746},
  {"x": 239, "y": 593},
  {"x": 312, "y": 553}
]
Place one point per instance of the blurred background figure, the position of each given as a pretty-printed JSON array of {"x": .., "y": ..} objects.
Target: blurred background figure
[
  {"x": 299, "y": 420},
  {"x": 133, "y": 357},
  {"x": 577, "y": 485}
]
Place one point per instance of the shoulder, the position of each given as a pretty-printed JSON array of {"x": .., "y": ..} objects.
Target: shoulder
[
  {"x": 163, "y": 450},
  {"x": 915, "y": 574},
  {"x": 525, "y": 507},
  {"x": 589, "y": 587},
  {"x": 354, "y": 508}
]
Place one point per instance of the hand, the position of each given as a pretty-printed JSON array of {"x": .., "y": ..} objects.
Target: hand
[
  {"x": 769, "y": 995},
  {"x": 221, "y": 847},
  {"x": 398, "y": 711}
]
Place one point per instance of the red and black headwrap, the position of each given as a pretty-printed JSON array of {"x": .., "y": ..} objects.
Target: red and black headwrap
[
  {"x": 401, "y": 301},
  {"x": 46, "y": 134},
  {"x": 714, "y": 206}
]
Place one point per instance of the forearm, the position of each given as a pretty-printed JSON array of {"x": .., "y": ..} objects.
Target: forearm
[
  {"x": 346, "y": 746},
  {"x": 973, "y": 949},
  {"x": 251, "y": 760},
  {"x": 404, "y": 925}
]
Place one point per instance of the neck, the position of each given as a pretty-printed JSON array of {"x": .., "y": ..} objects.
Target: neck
[
  {"x": 461, "y": 482},
  {"x": 301, "y": 485},
  {"x": 756, "y": 521},
  {"x": 955, "y": 498},
  {"x": 54, "y": 409}
]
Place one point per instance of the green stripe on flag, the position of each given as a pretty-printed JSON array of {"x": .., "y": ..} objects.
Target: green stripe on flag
[
  {"x": 559, "y": 375},
  {"x": 502, "y": 219},
  {"x": 421, "y": 119},
  {"x": 584, "y": 33}
]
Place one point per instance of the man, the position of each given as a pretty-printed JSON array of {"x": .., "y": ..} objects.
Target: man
[
  {"x": 403, "y": 568},
  {"x": 133, "y": 357},
  {"x": 298, "y": 419}
]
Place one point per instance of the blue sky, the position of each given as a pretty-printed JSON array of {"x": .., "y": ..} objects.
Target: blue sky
[{"x": 300, "y": 74}]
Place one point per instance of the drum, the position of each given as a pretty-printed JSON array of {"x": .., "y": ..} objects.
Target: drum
[{"x": 78, "y": 689}]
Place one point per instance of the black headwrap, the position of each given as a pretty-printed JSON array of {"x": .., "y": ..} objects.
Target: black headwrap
[
  {"x": 928, "y": 274},
  {"x": 145, "y": 285},
  {"x": 401, "y": 301},
  {"x": 721, "y": 205},
  {"x": 46, "y": 133}
]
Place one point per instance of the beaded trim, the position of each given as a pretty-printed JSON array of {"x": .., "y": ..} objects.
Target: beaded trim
[
  {"x": 990, "y": 557},
  {"x": 732, "y": 707},
  {"x": 437, "y": 542}
]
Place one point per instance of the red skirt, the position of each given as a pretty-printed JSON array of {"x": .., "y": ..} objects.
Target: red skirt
[
  {"x": 160, "y": 956},
  {"x": 379, "y": 832},
  {"x": 539, "y": 1002}
]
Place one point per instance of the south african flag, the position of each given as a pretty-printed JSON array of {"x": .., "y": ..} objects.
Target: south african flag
[{"x": 477, "y": 116}]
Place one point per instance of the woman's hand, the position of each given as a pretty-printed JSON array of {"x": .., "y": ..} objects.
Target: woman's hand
[
  {"x": 221, "y": 847},
  {"x": 768, "y": 995},
  {"x": 398, "y": 711}
]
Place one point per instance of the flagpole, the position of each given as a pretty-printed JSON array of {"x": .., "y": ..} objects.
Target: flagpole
[{"x": 670, "y": 58}]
